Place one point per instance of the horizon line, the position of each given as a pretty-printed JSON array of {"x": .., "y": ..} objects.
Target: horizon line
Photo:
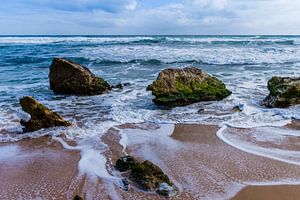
[{"x": 20, "y": 35}]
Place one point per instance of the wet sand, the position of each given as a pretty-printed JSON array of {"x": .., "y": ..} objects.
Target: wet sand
[
  {"x": 207, "y": 168},
  {"x": 274, "y": 192},
  {"x": 199, "y": 163},
  {"x": 42, "y": 169},
  {"x": 295, "y": 125},
  {"x": 281, "y": 192},
  {"x": 278, "y": 192},
  {"x": 38, "y": 168}
]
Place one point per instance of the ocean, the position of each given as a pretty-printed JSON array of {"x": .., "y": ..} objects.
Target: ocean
[{"x": 244, "y": 63}]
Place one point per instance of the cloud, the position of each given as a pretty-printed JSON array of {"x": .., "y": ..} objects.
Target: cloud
[
  {"x": 149, "y": 17},
  {"x": 113, "y": 6},
  {"x": 211, "y": 4}
]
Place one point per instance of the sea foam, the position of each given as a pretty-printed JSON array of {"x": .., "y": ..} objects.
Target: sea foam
[{"x": 278, "y": 149}]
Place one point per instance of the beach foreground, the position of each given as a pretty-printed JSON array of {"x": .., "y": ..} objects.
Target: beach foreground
[{"x": 200, "y": 164}]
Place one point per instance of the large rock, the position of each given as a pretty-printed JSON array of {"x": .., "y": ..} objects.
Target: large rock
[
  {"x": 41, "y": 116},
  {"x": 179, "y": 87},
  {"x": 284, "y": 92},
  {"x": 67, "y": 77}
]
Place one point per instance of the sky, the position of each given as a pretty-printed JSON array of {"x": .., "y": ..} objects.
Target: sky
[{"x": 150, "y": 17}]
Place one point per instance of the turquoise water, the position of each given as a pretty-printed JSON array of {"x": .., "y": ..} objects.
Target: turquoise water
[{"x": 244, "y": 63}]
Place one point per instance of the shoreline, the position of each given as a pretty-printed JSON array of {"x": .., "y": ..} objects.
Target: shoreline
[
  {"x": 189, "y": 134},
  {"x": 191, "y": 151}
]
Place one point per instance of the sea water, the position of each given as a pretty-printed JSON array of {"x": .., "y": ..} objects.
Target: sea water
[{"x": 243, "y": 63}]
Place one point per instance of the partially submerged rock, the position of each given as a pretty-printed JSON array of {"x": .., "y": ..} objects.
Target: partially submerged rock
[
  {"x": 117, "y": 86},
  {"x": 125, "y": 184},
  {"x": 165, "y": 189},
  {"x": 179, "y": 87},
  {"x": 77, "y": 197},
  {"x": 238, "y": 108},
  {"x": 120, "y": 86},
  {"x": 147, "y": 175},
  {"x": 67, "y": 77},
  {"x": 125, "y": 163},
  {"x": 284, "y": 92},
  {"x": 41, "y": 116}
]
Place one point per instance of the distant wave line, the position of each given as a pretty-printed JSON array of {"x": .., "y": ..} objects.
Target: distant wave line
[{"x": 150, "y": 40}]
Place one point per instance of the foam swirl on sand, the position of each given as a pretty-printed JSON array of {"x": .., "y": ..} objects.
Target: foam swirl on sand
[
  {"x": 92, "y": 162},
  {"x": 276, "y": 143}
]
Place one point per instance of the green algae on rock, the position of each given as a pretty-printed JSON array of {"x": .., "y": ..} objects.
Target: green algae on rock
[
  {"x": 125, "y": 163},
  {"x": 180, "y": 87},
  {"x": 67, "y": 77},
  {"x": 41, "y": 116},
  {"x": 284, "y": 92},
  {"x": 147, "y": 175}
]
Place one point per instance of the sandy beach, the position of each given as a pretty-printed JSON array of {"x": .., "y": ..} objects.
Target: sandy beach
[
  {"x": 38, "y": 168},
  {"x": 199, "y": 163}
]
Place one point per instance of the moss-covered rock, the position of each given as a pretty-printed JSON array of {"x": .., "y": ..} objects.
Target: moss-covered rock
[
  {"x": 179, "y": 87},
  {"x": 147, "y": 175},
  {"x": 125, "y": 163},
  {"x": 67, "y": 77},
  {"x": 284, "y": 92},
  {"x": 41, "y": 116}
]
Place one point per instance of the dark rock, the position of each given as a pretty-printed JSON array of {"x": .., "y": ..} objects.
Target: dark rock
[
  {"x": 125, "y": 163},
  {"x": 125, "y": 183},
  {"x": 126, "y": 84},
  {"x": 201, "y": 110},
  {"x": 77, "y": 197},
  {"x": 146, "y": 175},
  {"x": 67, "y": 77},
  {"x": 284, "y": 92},
  {"x": 149, "y": 176},
  {"x": 165, "y": 189},
  {"x": 237, "y": 109},
  {"x": 179, "y": 87},
  {"x": 118, "y": 86},
  {"x": 41, "y": 116}
]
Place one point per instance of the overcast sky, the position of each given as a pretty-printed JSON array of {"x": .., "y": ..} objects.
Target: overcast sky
[{"x": 150, "y": 17}]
